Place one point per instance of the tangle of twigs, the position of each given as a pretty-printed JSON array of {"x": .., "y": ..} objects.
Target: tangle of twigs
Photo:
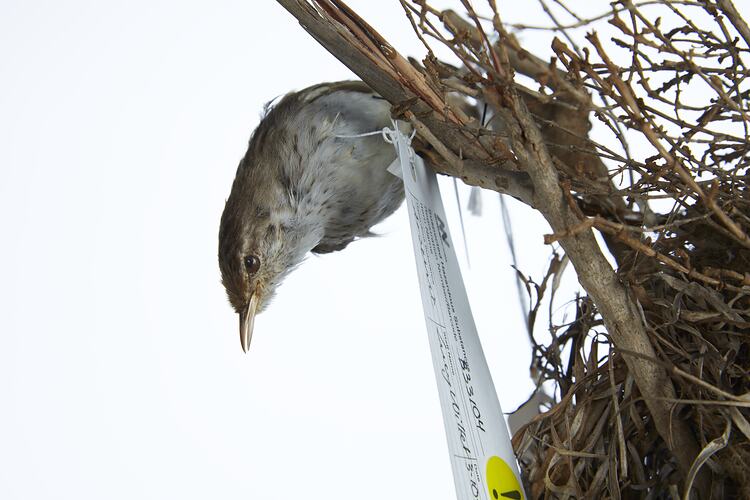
[{"x": 652, "y": 377}]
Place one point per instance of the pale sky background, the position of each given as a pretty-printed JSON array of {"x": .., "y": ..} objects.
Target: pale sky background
[{"x": 121, "y": 372}]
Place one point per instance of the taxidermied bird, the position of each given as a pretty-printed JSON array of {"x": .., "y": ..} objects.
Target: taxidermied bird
[{"x": 309, "y": 182}]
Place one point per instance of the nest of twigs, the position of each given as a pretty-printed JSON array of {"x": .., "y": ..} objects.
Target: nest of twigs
[{"x": 651, "y": 377}]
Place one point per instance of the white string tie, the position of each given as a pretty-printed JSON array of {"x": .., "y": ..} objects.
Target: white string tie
[{"x": 388, "y": 134}]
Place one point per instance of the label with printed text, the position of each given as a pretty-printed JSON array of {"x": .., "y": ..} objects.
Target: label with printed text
[{"x": 482, "y": 459}]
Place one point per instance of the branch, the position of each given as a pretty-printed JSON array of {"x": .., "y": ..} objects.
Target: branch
[
  {"x": 473, "y": 158},
  {"x": 729, "y": 10},
  {"x": 380, "y": 66}
]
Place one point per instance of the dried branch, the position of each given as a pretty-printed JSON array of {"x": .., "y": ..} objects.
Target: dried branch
[{"x": 673, "y": 78}]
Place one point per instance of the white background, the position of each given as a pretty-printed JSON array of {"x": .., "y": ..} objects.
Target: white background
[{"x": 121, "y": 373}]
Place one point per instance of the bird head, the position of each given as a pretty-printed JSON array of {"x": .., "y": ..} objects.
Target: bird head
[{"x": 261, "y": 239}]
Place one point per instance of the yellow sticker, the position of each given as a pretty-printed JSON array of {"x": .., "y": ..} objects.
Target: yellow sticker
[{"x": 501, "y": 481}]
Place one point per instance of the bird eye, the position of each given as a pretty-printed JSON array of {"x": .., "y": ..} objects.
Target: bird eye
[{"x": 252, "y": 264}]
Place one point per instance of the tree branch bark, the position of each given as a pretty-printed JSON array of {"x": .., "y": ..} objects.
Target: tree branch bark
[
  {"x": 728, "y": 8},
  {"x": 619, "y": 310}
]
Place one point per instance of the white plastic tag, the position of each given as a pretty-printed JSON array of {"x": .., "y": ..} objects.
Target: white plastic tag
[{"x": 484, "y": 466}]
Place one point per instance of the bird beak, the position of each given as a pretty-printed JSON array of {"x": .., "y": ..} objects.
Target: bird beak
[{"x": 247, "y": 320}]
